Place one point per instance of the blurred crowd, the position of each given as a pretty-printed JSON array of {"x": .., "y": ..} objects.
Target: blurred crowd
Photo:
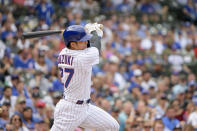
[{"x": 146, "y": 78}]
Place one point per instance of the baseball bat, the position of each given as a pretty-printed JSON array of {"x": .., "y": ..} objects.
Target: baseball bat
[{"x": 35, "y": 34}]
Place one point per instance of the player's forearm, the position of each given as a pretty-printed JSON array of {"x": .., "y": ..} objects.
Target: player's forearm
[{"x": 95, "y": 41}]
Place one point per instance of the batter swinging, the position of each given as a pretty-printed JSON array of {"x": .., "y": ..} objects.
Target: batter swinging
[{"x": 75, "y": 64}]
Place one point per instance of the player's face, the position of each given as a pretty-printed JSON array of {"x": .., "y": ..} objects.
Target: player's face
[{"x": 80, "y": 45}]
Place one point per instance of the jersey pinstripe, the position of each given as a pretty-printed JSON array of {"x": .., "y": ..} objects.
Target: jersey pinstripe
[
  {"x": 76, "y": 69},
  {"x": 68, "y": 116}
]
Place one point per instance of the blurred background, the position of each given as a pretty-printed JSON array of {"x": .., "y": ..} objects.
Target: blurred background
[{"x": 146, "y": 78}]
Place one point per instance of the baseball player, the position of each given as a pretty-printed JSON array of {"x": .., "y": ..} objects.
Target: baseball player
[{"x": 75, "y": 64}]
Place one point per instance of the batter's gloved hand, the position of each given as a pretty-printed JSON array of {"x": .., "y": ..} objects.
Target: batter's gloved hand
[{"x": 94, "y": 27}]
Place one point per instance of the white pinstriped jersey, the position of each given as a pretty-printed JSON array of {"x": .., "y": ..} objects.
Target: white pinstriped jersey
[{"x": 75, "y": 69}]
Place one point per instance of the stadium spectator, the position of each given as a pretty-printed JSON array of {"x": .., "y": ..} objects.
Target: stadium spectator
[
  {"x": 45, "y": 11},
  {"x": 4, "y": 115},
  {"x": 123, "y": 116},
  {"x": 17, "y": 123},
  {"x": 158, "y": 125},
  {"x": 22, "y": 60},
  {"x": 193, "y": 117},
  {"x": 169, "y": 120},
  {"x": 7, "y": 96},
  {"x": 9, "y": 127},
  {"x": 28, "y": 118},
  {"x": 147, "y": 126}
]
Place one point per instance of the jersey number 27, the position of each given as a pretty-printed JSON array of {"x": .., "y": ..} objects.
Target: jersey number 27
[{"x": 70, "y": 72}]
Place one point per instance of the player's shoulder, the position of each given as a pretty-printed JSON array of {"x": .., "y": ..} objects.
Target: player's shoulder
[
  {"x": 68, "y": 52},
  {"x": 79, "y": 52},
  {"x": 91, "y": 49}
]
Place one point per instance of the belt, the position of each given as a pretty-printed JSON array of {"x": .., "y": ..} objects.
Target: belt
[{"x": 79, "y": 102}]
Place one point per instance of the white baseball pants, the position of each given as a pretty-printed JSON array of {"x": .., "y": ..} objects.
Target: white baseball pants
[{"x": 68, "y": 116}]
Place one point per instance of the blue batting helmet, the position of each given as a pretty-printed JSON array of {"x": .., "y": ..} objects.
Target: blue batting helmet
[{"x": 75, "y": 33}]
